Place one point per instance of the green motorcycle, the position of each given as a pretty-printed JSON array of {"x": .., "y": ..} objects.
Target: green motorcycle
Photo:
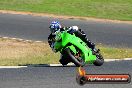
[{"x": 73, "y": 49}]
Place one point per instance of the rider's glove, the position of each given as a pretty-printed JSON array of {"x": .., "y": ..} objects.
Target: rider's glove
[{"x": 53, "y": 49}]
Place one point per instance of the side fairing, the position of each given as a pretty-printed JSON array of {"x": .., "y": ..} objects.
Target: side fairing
[{"x": 67, "y": 38}]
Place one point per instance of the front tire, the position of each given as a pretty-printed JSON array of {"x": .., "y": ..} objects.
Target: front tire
[
  {"x": 64, "y": 60},
  {"x": 99, "y": 60},
  {"x": 78, "y": 63}
]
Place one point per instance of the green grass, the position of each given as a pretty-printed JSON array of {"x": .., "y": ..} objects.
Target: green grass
[
  {"x": 14, "y": 52},
  {"x": 110, "y": 9}
]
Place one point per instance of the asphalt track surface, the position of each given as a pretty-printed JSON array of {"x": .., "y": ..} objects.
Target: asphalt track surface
[
  {"x": 36, "y": 28},
  {"x": 60, "y": 77}
]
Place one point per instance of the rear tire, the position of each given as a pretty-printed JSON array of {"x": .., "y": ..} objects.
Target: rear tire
[
  {"x": 99, "y": 60},
  {"x": 68, "y": 52}
]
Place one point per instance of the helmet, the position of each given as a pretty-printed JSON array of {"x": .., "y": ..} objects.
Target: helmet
[{"x": 54, "y": 26}]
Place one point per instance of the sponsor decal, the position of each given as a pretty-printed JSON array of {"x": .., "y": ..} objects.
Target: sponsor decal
[{"x": 83, "y": 78}]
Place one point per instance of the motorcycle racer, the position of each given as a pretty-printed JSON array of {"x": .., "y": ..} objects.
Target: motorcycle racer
[{"x": 56, "y": 26}]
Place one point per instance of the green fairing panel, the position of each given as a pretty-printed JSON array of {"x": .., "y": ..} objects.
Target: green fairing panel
[
  {"x": 73, "y": 49},
  {"x": 58, "y": 46},
  {"x": 91, "y": 57},
  {"x": 68, "y": 38}
]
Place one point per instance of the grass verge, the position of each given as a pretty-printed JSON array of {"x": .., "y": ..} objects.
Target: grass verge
[
  {"x": 14, "y": 52},
  {"x": 109, "y": 9}
]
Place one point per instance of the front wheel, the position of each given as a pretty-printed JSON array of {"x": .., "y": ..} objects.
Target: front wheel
[
  {"x": 99, "y": 60},
  {"x": 64, "y": 60},
  {"x": 77, "y": 61}
]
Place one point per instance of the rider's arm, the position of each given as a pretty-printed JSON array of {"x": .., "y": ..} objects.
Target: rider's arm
[{"x": 51, "y": 39}]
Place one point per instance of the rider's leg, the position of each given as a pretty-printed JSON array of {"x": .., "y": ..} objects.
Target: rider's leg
[
  {"x": 89, "y": 43},
  {"x": 82, "y": 35}
]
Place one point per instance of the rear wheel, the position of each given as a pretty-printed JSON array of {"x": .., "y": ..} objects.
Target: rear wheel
[
  {"x": 99, "y": 60},
  {"x": 78, "y": 61}
]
